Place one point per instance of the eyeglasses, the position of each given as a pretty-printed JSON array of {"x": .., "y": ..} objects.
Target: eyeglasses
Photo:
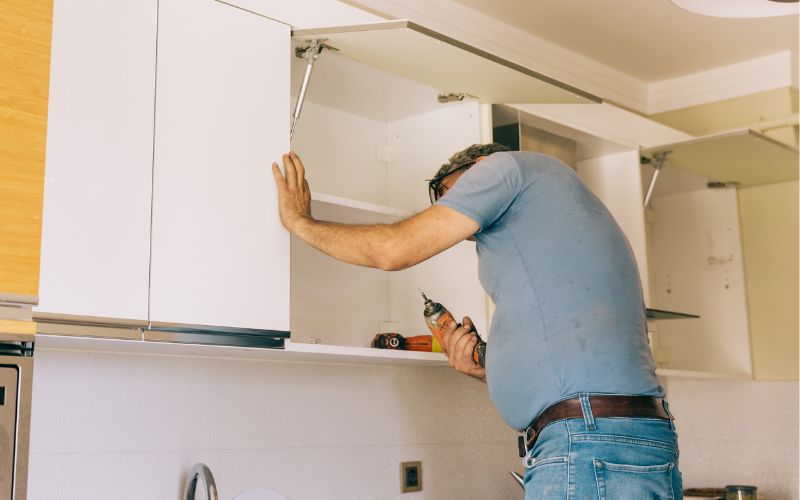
[{"x": 435, "y": 187}]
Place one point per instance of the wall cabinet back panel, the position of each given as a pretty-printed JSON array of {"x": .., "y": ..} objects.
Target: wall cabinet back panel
[
  {"x": 451, "y": 278},
  {"x": 339, "y": 151},
  {"x": 220, "y": 256},
  {"x": 334, "y": 302},
  {"x": 422, "y": 143},
  {"x": 96, "y": 223},
  {"x": 341, "y": 304},
  {"x": 337, "y": 303},
  {"x": 697, "y": 256}
]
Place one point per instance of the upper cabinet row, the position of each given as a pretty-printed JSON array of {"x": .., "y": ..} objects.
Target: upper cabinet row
[
  {"x": 159, "y": 203},
  {"x": 160, "y": 206}
]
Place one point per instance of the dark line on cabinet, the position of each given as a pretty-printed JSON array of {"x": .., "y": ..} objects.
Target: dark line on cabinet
[
  {"x": 253, "y": 12},
  {"x": 153, "y": 171}
]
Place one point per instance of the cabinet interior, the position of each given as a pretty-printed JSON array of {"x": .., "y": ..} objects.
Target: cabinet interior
[
  {"x": 368, "y": 140},
  {"x": 696, "y": 263}
]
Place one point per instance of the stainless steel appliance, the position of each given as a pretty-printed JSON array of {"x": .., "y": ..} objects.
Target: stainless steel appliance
[{"x": 16, "y": 375}]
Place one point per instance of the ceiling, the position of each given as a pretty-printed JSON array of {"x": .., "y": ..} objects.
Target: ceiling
[{"x": 650, "y": 40}]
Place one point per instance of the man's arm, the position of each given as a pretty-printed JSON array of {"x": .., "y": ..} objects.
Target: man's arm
[{"x": 385, "y": 246}]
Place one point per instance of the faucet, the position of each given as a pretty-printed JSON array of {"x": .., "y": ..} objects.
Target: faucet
[{"x": 201, "y": 470}]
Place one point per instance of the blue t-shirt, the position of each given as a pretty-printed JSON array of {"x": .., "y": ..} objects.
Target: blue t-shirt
[{"x": 570, "y": 314}]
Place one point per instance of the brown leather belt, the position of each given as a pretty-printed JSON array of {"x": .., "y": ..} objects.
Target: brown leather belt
[{"x": 602, "y": 406}]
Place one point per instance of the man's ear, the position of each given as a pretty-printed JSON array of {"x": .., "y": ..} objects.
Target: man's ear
[{"x": 480, "y": 159}]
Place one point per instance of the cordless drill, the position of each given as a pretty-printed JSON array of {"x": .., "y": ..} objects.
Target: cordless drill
[{"x": 440, "y": 320}]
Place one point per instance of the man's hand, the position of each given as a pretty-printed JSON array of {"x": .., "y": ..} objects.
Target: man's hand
[
  {"x": 294, "y": 195},
  {"x": 460, "y": 343}
]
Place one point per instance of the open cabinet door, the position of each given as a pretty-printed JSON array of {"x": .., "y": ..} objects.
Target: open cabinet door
[{"x": 220, "y": 256}]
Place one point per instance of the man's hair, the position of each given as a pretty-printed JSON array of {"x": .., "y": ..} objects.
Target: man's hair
[{"x": 466, "y": 158}]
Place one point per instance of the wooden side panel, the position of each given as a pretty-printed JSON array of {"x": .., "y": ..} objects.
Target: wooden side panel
[{"x": 25, "y": 30}]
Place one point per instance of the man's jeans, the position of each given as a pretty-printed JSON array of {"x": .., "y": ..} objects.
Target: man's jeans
[{"x": 605, "y": 458}]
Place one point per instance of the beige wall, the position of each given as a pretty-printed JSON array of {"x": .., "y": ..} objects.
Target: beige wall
[
  {"x": 533, "y": 139},
  {"x": 739, "y": 112},
  {"x": 769, "y": 221},
  {"x": 737, "y": 432}
]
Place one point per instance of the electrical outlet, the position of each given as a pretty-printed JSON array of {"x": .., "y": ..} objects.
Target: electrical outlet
[{"x": 410, "y": 477}]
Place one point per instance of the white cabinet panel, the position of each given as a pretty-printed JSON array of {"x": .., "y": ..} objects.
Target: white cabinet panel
[
  {"x": 96, "y": 222},
  {"x": 698, "y": 269},
  {"x": 341, "y": 304},
  {"x": 338, "y": 151},
  {"x": 220, "y": 256},
  {"x": 422, "y": 143}
]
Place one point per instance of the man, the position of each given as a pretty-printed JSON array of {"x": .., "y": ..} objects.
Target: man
[{"x": 568, "y": 361}]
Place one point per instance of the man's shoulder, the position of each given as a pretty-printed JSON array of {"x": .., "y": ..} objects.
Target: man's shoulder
[
  {"x": 525, "y": 159},
  {"x": 524, "y": 165}
]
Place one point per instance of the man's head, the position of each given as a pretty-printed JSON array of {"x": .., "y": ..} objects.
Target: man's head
[{"x": 447, "y": 175}]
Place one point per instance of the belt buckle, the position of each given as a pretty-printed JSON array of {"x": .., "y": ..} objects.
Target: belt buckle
[{"x": 529, "y": 436}]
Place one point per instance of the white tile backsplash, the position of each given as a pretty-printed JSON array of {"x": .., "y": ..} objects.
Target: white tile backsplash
[
  {"x": 130, "y": 426},
  {"x": 738, "y": 432},
  {"x": 118, "y": 426}
]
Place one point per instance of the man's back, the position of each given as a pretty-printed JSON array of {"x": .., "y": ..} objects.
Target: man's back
[{"x": 570, "y": 314}]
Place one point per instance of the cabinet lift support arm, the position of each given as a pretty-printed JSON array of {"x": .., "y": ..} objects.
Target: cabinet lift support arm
[
  {"x": 658, "y": 162},
  {"x": 310, "y": 52}
]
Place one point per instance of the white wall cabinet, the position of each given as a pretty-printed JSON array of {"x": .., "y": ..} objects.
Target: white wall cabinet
[
  {"x": 220, "y": 256},
  {"x": 161, "y": 208},
  {"x": 189, "y": 97},
  {"x": 367, "y": 155},
  {"x": 698, "y": 268},
  {"x": 96, "y": 220}
]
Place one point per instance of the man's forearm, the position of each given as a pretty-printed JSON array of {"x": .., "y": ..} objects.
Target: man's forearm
[{"x": 363, "y": 245}]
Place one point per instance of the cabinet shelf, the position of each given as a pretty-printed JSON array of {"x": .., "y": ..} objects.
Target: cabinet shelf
[
  {"x": 662, "y": 314},
  {"x": 298, "y": 352},
  {"x": 358, "y": 205},
  {"x": 697, "y": 374},
  {"x": 347, "y": 354},
  {"x": 294, "y": 352}
]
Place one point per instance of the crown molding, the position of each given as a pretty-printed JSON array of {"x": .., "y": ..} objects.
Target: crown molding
[
  {"x": 470, "y": 26},
  {"x": 749, "y": 77},
  {"x": 473, "y": 27}
]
